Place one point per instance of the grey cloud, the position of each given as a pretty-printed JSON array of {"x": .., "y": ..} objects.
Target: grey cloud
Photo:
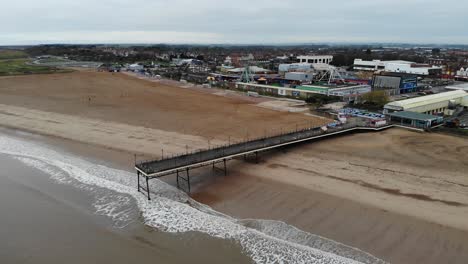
[{"x": 238, "y": 21}]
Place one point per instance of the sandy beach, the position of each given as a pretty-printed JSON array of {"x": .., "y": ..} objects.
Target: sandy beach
[{"x": 399, "y": 195}]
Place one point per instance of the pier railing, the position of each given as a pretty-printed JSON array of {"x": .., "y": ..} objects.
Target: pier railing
[{"x": 149, "y": 168}]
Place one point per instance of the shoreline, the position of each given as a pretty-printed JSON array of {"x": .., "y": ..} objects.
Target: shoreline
[
  {"x": 173, "y": 212},
  {"x": 246, "y": 196},
  {"x": 83, "y": 224}
]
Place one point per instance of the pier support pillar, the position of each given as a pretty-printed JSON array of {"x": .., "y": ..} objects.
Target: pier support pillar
[
  {"x": 225, "y": 167},
  {"x": 188, "y": 180},
  {"x": 147, "y": 188},
  {"x": 138, "y": 173},
  {"x": 178, "y": 187}
]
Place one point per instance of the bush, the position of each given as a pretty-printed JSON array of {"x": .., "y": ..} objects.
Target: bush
[
  {"x": 320, "y": 99},
  {"x": 375, "y": 98}
]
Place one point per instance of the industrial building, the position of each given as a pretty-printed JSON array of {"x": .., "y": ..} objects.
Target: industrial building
[
  {"x": 397, "y": 66},
  {"x": 395, "y": 83},
  {"x": 414, "y": 119},
  {"x": 348, "y": 93},
  {"x": 445, "y": 103},
  {"x": 315, "y": 59},
  {"x": 299, "y": 76}
]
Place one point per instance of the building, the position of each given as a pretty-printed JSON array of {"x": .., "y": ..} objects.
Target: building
[
  {"x": 463, "y": 86},
  {"x": 430, "y": 104},
  {"x": 462, "y": 75},
  {"x": 414, "y": 119},
  {"x": 253, "y": 69},
  {"x": 135, "y": 67},
  {"x": 299, "y": 76},
  {"x": 399, "y": 66},
  {"x": 303, "y": 67},
  {"x": 228, "y": 60},
  {"x": 315, "y": 59},
  {"x": 395, "y": 83},
  {"x": 295, "y": 67},
  {"x": 348, "y": 93},
  {"x": 437, "y": 61}
]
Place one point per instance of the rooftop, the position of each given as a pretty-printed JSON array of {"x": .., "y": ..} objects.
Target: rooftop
[
  {"x": 428, "y": 99},
  {"x": 462, "y": 86},
  {"x": 399, "y": 62},
  {"x": 414, "y": 116}
]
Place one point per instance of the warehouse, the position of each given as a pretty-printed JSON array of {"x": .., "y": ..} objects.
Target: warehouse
[
  {"x": 413, "y": 119},
  {"x": 400, "y": 66},
  {"x": 445, "y": 103}
]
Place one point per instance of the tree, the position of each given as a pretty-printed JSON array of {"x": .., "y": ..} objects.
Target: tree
[
  {"x": 375, "y": 99},
  {"x": 435, "y": 51}
]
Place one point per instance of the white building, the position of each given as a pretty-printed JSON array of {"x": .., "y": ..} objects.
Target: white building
[
  {"x": 315, "y": 59},
  {"x": 463, "y": 72},
  {"x": 135, "y": 67},
  {"x": 462, "y": 75},
  {"x": 396, "y": 66},
  {"x": 303, "y": 67},
  {"x": 430, "y": 104},
  {"x": 253, "y": 69},
  {"x": 228, "y": 60}
]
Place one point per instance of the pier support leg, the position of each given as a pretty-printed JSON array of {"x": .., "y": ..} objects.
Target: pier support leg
[
  {"x": 178, "y": 187},
  {"x": 188, "y": 180},
  {"x": 147, "y": 188},
  {"x": 225, "y": 167},
  {"x": 256, "y": 157},
  {"x": 138, "y": 173}
]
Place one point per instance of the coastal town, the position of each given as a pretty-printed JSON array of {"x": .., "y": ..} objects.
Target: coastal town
[
  {"x": 335, "y": 141},
  {"x": 429, "y": 81}
]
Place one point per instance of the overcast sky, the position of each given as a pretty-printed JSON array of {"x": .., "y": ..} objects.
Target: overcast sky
[{"x": 235, "y": 21}]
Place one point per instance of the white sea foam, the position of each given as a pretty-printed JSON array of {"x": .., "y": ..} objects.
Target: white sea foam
[{"x": 171, "y": 210}]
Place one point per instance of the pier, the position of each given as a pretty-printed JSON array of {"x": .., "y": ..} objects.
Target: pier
[{"x": 182, "y": 164}]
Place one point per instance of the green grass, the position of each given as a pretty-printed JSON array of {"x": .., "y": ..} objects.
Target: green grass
[
  {"x": 12, "y": 54},
  {"x": 22, "y": 67}
]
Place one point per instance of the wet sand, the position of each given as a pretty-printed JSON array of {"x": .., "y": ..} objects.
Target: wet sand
[
  {"x": 399, "y": 195},
  {"x": 388, "y": 235},
  {"x": 44, "y": 222}
]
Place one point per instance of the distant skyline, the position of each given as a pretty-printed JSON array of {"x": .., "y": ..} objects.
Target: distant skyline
[{"x": 26, "y": 22}]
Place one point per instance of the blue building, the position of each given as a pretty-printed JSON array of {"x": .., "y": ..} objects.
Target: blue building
[{"x": 395, "y": 83}]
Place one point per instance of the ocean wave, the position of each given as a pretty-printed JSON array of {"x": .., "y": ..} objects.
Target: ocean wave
[{"x": 171, "y": 210}]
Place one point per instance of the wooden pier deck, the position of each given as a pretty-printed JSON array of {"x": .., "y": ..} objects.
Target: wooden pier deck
[{"x": 182, "y": 164}]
